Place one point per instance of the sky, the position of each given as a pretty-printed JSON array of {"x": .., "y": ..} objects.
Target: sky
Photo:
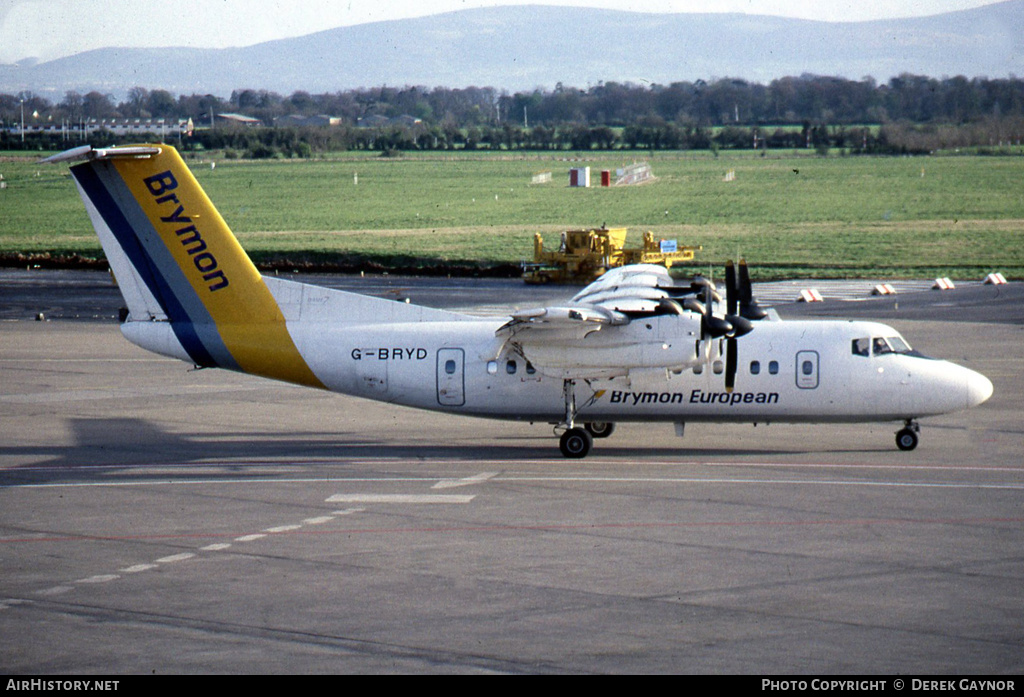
[{"x": 48, "y": 29}]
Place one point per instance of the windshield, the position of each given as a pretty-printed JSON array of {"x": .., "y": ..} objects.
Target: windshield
[{"x": 879, "y": 346}]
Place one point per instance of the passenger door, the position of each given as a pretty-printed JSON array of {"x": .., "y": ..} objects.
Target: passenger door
[{"x": 451, "y": 391}]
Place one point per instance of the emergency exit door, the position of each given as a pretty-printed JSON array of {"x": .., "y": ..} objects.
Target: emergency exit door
[{"x": 807, "y": 370}]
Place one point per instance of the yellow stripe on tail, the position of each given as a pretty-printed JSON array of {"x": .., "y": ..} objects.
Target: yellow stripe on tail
[{"x": 218, "y": 271}]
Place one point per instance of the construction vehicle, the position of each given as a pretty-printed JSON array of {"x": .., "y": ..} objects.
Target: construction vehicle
[{"x": 583, "y": 255}]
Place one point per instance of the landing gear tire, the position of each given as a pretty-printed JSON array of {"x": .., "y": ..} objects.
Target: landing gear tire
[
  {"x": 599, "y": 429},
  {"x": 575, "y": 443},
  {"x": 906, "y": 439}
]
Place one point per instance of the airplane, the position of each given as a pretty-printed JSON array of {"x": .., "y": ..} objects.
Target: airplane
[{"x": 633, "y": 346}]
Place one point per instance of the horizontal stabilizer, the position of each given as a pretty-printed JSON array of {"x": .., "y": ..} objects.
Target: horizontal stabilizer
[{"x": 87, "y": 152}]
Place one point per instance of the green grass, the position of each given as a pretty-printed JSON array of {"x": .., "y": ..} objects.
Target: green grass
[{"x": 789, "y": 214}]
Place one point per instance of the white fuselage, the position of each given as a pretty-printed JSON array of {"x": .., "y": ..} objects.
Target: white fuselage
[
  {"x": 788, "y": 372},
  {"x": 792, "y": 371}
]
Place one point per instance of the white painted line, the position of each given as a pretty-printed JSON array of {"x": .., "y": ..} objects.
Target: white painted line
[
  {"x": 249, "y": 538},
  {"x": 466, "y": 481},
  {"x": 350, "y": 511},
  {"x": 100, "y": 578},
  {"x": 175, "y": 557},
  {"x": 771, "y": 482},
  {"x": 13, "y": 602},
  {"x": 216, "y": 547},
  {"x": 318, "y": 521},
  {"x": 137, "y": 568},
  {"x": 283, "y": 528},
  {"x": 399, "y": 498},
  {"x": 55, "y": 590}
]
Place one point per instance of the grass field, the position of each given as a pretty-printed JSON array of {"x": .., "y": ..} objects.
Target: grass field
[{"x": 789, "y": 215}]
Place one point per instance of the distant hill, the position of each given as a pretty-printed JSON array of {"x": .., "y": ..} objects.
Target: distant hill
[{"x": 520, "y": 48}]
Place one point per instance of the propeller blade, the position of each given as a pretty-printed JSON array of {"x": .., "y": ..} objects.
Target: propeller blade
[
  {"x": 748, "y": 306},
  {"x": 734, "y": 295},
  {"x": 731, "y": 359},
  {"x": 715, "y": 327},
  {"x": 730, "y": 288}
]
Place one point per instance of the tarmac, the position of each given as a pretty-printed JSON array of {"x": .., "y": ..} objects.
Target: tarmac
[{"x": 160, "y": 520}]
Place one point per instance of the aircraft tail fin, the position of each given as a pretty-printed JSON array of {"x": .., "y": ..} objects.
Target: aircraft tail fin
[{"x": 177, "y": 261}]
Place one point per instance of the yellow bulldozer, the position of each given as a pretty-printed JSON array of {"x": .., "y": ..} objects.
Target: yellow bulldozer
[{"x": 583, "y": 255}]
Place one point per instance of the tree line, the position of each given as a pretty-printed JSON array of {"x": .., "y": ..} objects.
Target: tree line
[{"x": 908, "y": 113}]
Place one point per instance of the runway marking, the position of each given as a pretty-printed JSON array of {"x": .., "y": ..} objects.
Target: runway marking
[
  {"x": 168, "y": 361},
  {"x": 438, "y": 498},
  {"x": 784, "y": 482},
  {"x": 183, "y": 556},
  {"x": 282, "y": 528},
  {"x": 865, "y": 465},
  {"x": 465, "y": 481},
  {"x": 8, "y": 603},
  {"x": 100, "y": 578},
  {"x": 148, "y": 468},
  {"x": 400, "y": 498}
]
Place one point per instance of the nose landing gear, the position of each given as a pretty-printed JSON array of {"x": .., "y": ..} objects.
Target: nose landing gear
[{"x": 907, "y": 437}]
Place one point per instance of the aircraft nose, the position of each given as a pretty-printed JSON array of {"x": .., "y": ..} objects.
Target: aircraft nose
[{"x": 979, "y": 389}]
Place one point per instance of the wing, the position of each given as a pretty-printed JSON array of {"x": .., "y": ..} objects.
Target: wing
[{"x": 629, "y": 319}]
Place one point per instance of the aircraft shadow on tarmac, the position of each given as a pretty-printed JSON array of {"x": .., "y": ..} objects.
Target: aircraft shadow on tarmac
[{"x": 140, "y": 444}]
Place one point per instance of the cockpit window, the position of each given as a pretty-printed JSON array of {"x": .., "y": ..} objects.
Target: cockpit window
[
  {"x": 898, "y": 345},
  {"x": 879, "y": 346}
]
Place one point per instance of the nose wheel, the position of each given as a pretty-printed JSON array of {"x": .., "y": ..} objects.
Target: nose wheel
[{"x": 907, "y": 437}]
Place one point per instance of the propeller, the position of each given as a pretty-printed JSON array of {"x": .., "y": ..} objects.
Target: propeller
[{"x": 741, "y": 311}]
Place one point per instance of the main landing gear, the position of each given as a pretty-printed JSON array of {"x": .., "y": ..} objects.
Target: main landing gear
[
  {"x": 599, "y": 429},
  {"x": 907, "y": 437},
  {"x": 576, "y": 442}
]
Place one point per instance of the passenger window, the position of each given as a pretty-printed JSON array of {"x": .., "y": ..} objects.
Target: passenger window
[
  {"x": 510, "y": 367},
  {"x": 755, "y": 367},
  {"x": 492, "y": 367},
  {"x": 530, "y": 370},
  {"x": 773, "y": 367},
  {"x": 807, "y": 367},
  {"x": 449, "y": 367},
  {"x": 862, "y": 347}
]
